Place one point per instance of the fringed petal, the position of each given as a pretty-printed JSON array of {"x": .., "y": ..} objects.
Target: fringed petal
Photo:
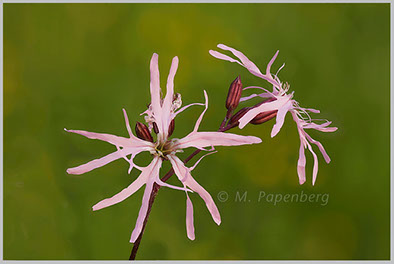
[
  {"x": 189, "y": 218},
  {"x": 221, "y": 56},
  {"x": 167, "y": 103},
  {"x": 245, "y": 61},
  {"x": 280, "y": 118},
  {"x": 197, "y": 125},
  {"x": 321, "y": 148},
  {"x": 198, "y": 161},
  {"x": 266, "y": 107},
  {"x": 152, "y": 171},
  {"x": 208, "y": 139},
  {"x": 97, "y": 163},
  {"x": 301, "y": 164},
  {"x": 315, "y": 164},
  {"x": 142, "y": 213},
  {"x": 112, "y": 139},
  {"x": 268, "y": 70},
  {"x": 161, "y": 183},
  {"x": 115, "y": 140},
  {"x": 183, "y": 174},
  {"x": 184, "y": 108},
  {"x": 155, "y": 90},
  {"x": 126, "y": 119},
  {"x": 130, "y": 190},
  {"x": 262, "y": 95}
]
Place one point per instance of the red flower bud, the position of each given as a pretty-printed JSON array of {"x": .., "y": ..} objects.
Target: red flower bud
[
  {"x": 234, "y": 120},
  {"x": 171, "y": 127},
  {"x": 155, "y": 128},
  {"x": 234, "y": 94},
  {"x": 142, "y": 132},
  {"x": 263, "y": 117}
]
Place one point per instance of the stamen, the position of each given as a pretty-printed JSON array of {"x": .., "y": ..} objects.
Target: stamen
[{"x": 176, "y": 102}]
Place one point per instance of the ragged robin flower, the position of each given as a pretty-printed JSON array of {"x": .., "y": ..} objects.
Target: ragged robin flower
[
  {"x": 279, "y": 103},
  {"x": 160, "y": 118}
]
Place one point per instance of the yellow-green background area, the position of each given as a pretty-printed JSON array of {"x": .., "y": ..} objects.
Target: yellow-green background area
[{"x": 77, "y": 65}]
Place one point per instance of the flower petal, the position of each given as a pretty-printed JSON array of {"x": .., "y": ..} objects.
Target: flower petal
[
  {"x": 245, "y": 61},
  {"x": 126, "y": 119},
  {"x": 142, "y": 213},
  {"x": 183, "y": 174},
  {"x": 208, "y": 139},
  {"x": 262, "y": 95},
  {"x": 249, "y": 65},
  {"x": 322, "y": 127},
  {"x": 197, "y": 125},
  {"x": 315, "y": 164},
  {"x": 130, "y": 161},
  {"x": 280, "y": 118},
  {"x": 221, "y": 56},
  {"x": 170, "y": 82},
  {"x": 161, "y": 183},
  {"x": 270, "y": 106},
  {"x": 320, "y": 146},
  {"x": 166, "y": 111},
  {"x": 115, "y": 140},
  {"x": 268, "y": 70},
  {"x": 189, "y": 219},
  {"x": 198, "y": 161},
  {"x": 153, "y": 170},
  {"x": 255, "y": 87},
  {"x": 312, "y": 110},
  {"x": 155, "y": 90},
  {"x": 184, "y": 108},
  {"x": 131, "y": 189},
  {"x": 91, "y": 165},
  {"x": 301, "y": 164}
]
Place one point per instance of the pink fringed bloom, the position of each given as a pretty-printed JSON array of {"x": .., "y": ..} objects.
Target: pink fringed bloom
[
  {"x": 282, "y": 102},
  {"x": 160, "y": 114}
]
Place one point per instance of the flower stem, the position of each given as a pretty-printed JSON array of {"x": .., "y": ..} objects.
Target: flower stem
[{"x": 156, "y": 188}]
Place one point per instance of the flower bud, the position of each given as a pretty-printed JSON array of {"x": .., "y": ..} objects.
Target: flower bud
[
  {"x": 155, "y": 128},
  {"x": 171, "y": 127},
  {"x": 234, "y": 94},
  {"x": 263, "y": 117},
  {"x": 142, "y": 132},
  {"x": 234, "y": 120}
]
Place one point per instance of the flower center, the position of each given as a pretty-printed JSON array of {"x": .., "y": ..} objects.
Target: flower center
[{"x": 163, "y": 149}]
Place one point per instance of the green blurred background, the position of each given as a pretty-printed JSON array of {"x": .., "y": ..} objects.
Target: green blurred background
[{"x": 77, "y": 65}]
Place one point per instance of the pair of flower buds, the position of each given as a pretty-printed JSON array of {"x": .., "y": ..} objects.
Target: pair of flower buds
[
  {"x": 232, "y": 102},
  {"x": 142, "y": 130}
]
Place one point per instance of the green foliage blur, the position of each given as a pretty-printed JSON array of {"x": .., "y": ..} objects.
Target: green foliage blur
[{"x": 78, "y": 65}]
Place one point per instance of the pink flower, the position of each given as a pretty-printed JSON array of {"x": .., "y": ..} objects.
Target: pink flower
[
  {"x": 160, "y": 114},
  {"x": 282, "y": 102}
]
